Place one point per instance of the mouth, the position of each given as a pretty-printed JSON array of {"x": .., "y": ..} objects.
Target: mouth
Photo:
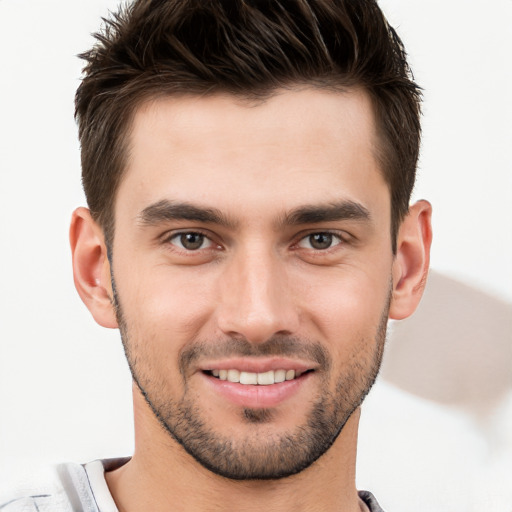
[
  {"x": 259, "y": 382},
  {"x": 256, "y": 379}
]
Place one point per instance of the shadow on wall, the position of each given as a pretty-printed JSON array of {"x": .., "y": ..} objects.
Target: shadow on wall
[{"x": 455, "y": 350}]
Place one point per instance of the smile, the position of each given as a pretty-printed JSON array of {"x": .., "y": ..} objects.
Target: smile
[
  {"x": 258, "y": 384},
  {"x": 259, "y": 379}
]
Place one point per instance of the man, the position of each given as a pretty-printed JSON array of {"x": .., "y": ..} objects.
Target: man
[{"x": 248, "y": 169}]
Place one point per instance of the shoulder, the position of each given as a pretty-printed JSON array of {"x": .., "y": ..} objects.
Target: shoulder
[
  {"x": 60, "y": 488},
  {"x": 370, "y": 501}
]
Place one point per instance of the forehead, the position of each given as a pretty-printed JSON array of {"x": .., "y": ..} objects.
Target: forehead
[{"x": 296, "y": 147}]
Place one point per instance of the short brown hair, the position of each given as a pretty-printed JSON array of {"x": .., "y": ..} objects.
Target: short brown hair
[{"x": 247, "y": 48}]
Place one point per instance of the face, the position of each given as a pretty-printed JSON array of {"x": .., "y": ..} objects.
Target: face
[{"x": 252, "y": 268}]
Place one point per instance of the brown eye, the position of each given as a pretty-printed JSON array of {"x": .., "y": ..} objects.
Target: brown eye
[
  {"x": 320, "y": 241},
  {"x": 191, "y": 241}
]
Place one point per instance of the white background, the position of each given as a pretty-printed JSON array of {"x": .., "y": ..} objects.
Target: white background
[{"x": 436, "y": 430}]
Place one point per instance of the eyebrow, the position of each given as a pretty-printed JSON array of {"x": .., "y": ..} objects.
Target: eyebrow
[
  {"x": 314, "y": 214},
  {"x": 166, "y": 210}
]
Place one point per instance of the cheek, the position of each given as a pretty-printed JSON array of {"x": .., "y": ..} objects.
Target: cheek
[
  {"x": 346, "y": 307},
  {"x": 162, "y": 303},
  {"x": 161, "y": 315}
]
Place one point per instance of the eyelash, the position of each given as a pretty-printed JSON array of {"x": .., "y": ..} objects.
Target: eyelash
[
  {"x": 336, "y": 239},
  {"x": 206, "y": 237},
  {"x": 341, "y": 239}
]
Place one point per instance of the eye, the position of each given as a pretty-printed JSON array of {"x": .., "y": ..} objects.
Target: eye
[
  {"x": 320, "y": 241},
  {"x": 190, "y": 241}
]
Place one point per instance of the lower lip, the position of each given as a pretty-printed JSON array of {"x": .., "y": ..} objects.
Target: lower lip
[{"x": 257, "y": 397}]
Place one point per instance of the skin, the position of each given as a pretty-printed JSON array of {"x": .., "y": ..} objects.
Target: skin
[{"x": 256, "y": 277}]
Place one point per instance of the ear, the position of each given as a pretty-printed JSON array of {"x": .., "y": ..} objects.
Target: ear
[
  {"x": 410, "y": 268},
  {"x": 91, "y": 268}
]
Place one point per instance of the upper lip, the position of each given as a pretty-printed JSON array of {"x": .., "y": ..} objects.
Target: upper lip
[{"x": 258, "y": 365}]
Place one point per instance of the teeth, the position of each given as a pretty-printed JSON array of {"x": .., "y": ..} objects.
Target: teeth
[
  {"x": 279, "y": 376},
  {"x": 233, "y": 376},
  {"x": 262, "y": 379},
  {"x": 266, "y": 378},
  {"x": 248, "y": 378}
]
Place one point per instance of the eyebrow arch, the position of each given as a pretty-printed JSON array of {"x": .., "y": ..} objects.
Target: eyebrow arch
[
  {"x": 166, "y": 210},
  {"x": 314, "y": 214}
]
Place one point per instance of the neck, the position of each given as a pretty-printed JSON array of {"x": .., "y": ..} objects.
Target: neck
[{"x": 161, "y": 476}]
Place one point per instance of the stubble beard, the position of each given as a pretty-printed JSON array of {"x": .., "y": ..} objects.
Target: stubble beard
[{"x": 264, "y": 455}]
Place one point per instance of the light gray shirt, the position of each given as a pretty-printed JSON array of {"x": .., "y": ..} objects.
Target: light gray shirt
[{"x": 83, "y": 488}]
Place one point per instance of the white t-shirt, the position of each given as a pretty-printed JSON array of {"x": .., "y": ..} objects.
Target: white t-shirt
[
  {"x": 65, "y": 488},
  {"x": 82, "y": 488}
]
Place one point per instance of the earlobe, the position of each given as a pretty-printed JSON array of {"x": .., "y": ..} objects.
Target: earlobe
[
  {"x": 91, "y": 269},
  {"x": 410, "y": 268}
]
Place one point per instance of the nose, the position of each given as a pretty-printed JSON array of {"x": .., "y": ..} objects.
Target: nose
[{"x": 256, "y": 300}]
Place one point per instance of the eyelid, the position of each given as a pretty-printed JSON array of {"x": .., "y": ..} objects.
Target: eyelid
[
  {"x": 168, "y": 236},
  {"x": 342, "y": 236}
]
